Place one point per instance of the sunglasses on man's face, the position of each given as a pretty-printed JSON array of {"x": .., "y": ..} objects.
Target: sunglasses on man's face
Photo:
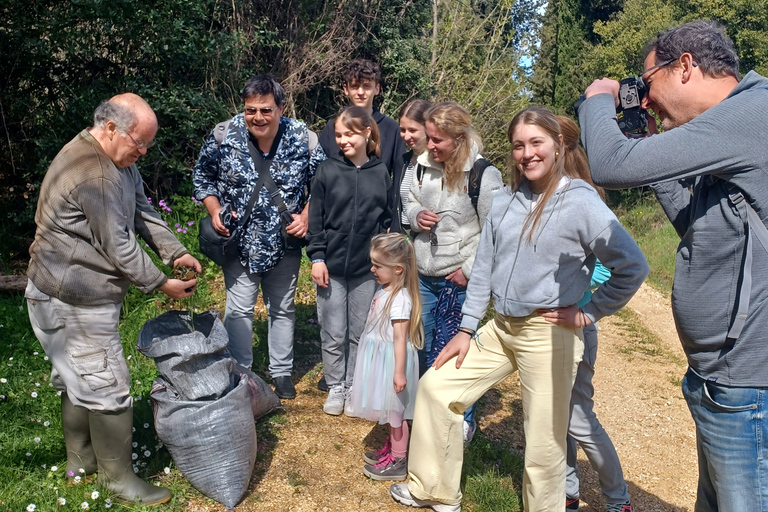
[{"x": 252, "y": 111}]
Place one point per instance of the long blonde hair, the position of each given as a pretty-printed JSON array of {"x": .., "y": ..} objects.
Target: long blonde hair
[
  {"x": 571, "y": 160},
  {"x": 395, "y": 249},
  {"x": 451, "y": 119}
]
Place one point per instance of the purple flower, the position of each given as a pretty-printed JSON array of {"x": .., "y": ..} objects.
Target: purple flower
[
  {"x": 178, "y": 230},
  {"x": 177, "y": 225},
  {"x": 191, "y": 223},
  {"x": 149, "y": 200}
]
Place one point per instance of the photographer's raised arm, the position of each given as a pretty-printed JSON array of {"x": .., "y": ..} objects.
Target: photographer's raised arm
[{"x": 704, "y": 145}]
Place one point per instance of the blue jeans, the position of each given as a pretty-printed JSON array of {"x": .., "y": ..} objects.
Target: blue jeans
[
  {"x": 732, "y": 443},
  {"x": 429, "y": 289}
]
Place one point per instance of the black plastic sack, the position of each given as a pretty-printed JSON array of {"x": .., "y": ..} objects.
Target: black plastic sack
[
  {"x": 212, "y": 442},
  {"x": 205, "y": 403}
]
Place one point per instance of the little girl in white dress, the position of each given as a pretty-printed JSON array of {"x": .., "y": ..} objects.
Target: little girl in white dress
[{"x": 387, "y": 367}]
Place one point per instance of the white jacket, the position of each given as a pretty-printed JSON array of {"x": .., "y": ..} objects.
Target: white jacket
[{"x": 458, "y": 230}]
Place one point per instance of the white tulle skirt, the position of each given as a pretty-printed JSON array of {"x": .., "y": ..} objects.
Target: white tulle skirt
[{"x": 373, "y": 390}]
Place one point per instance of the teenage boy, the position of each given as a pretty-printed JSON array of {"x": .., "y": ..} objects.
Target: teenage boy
[{"x": 362, "y": 82}]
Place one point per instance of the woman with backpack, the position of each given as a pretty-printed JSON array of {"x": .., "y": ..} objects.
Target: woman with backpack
[{"x": 451, "y": 194}]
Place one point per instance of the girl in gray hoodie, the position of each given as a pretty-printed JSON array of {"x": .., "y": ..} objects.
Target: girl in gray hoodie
[{"x": 535, "y": 257}]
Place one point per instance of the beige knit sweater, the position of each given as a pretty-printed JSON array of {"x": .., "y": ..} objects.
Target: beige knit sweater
[{"x": 89, "y": 212}]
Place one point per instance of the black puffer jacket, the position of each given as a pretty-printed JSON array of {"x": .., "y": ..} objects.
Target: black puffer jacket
[{"x": 348, "y": 207}]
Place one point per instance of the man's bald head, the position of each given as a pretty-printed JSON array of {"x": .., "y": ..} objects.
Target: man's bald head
[
  {"x": 125, "y": 126},
  {"x": 126, "y": 110}
]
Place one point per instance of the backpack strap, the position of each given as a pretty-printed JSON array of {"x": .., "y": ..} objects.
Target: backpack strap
[
  {"x": 476, "y": 179},
  {"x": 220, "y": 131},
  {"x": 753, "y": 225}
]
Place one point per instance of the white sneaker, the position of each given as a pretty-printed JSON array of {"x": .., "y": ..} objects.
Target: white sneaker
[
  {"x": 334, "y": 404},
  {"x": 401, "y": 494},
  {"x": 348, "y": 411},
  {"x": 469, "y": 432}
]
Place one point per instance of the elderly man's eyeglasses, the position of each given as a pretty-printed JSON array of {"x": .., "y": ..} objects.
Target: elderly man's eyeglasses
[
  {"x": 266, "y": 112},
  {"x": 140, "y": 143}
]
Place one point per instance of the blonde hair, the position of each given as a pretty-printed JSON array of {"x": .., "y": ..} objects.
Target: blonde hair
[
  {"x": 395, "y": 249},
  {"x": 451, "y": 119},
  {"x": 571, "y": 162},
  {"x": 357, "y": 119}
]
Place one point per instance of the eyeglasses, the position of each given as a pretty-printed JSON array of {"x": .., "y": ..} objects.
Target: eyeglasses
[
  {"x": 657, "y": 66},
  {"x": 433, "y": 230},
  {"x": 142, "y": 144},
  {"x": 252, "y": 111}
]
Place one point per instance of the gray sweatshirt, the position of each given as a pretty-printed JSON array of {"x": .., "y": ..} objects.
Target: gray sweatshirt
[
  {"x": 728, "y": 141},
  {"x": 554, "y": 268}
]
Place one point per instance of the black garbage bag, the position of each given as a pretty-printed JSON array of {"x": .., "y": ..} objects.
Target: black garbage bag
[
  {"x": 212, "y": 442},
  {"x": 204, "y": 402},
  {"x": 191, "y": 354}
]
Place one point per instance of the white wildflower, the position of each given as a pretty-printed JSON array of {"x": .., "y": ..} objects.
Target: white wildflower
[
  {"x": 54, "y": 468},
  {"x": 31, "y": 507},
  {"x": 62, "y": 501},
  {"x": 34, "y": 394},
  {"x": 95, "y": 495},
  {"x": 84, "y": 506},
  {"x": 147, "y": 453},
  {"x": 167, "y": 470}
]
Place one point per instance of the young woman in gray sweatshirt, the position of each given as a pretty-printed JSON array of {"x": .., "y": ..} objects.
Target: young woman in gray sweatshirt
[{"x": 536, "y": 254}]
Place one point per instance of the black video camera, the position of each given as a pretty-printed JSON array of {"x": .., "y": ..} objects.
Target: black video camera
[{"x": 631, "y": 115}]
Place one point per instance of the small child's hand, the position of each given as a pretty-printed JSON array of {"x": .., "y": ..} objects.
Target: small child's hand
[
  {"x": 320, "y": 274},
  {"x": 400, "y": 381}
]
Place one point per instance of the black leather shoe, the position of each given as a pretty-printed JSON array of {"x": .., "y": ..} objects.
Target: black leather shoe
[
  {"x": 284, "y": 387},
  {"x": 322, "y": 385}
]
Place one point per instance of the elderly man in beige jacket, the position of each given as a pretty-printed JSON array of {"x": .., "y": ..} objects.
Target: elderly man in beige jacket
[{"x": 84, "y": 257}]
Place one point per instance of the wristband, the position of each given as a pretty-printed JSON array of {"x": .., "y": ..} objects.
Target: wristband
[
  {"x": 318, "y": 261},
  {"x": 467, "y": 330}
]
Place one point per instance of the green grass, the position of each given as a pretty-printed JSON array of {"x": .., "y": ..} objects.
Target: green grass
[
  {"x": 641, "y": 341},
  {"x": 649, "y": 226}
]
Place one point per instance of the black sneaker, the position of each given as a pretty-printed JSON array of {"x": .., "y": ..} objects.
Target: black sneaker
[
  {"x": 322, "y": 385},
  {"x": 284, "y": 387},
  {"x": 571, "y": 503},
  {"x": 388, "y": 468}
]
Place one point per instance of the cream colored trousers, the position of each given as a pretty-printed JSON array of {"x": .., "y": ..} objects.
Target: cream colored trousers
[{"x": 547, "y": 357}]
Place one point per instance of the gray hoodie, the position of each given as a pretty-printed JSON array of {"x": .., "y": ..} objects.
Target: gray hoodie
[
  {"x": 730, "y": 142},
  {"x": 554, "y": 268}
]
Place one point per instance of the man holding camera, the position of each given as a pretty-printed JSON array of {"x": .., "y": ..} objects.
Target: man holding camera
[
  {"x": 84, "y": 257},
  {"x": 260, "y": 143},
  {"x": 710, "y": 173}
]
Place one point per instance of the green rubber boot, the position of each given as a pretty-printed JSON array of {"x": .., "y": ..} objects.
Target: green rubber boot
[
  {"x": 77, "y": 438},
  {"x": 111, "y": 436}
]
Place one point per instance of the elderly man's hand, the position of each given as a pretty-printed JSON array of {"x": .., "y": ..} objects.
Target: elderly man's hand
[
  {"x": 604, "y": 86},
  {"x": 178, "y": 289},
  {"x": 187, "y": 260}
]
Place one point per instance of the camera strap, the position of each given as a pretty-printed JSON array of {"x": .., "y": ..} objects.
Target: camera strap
[{"x": 263, "y": 165}]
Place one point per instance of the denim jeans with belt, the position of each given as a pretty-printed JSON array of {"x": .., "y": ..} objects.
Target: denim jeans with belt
[
  {"x": 732, "y": 444},
  {"x": 429, "y": 289}
]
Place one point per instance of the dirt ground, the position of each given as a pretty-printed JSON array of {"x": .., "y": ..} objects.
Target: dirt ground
[{"x": 313, "y": 461}]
